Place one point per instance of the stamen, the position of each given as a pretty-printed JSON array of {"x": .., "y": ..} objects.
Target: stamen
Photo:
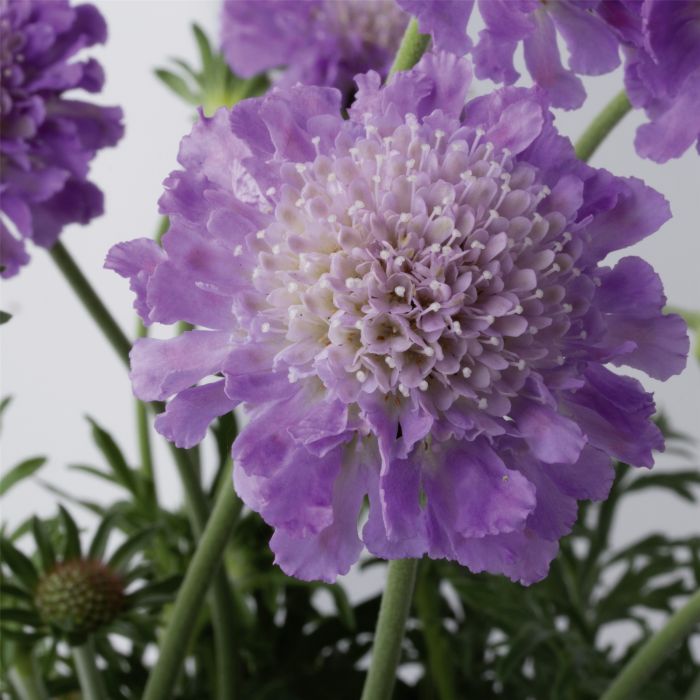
[
  {"x": 400, "y": 291},
  {"x": 361, "y": 376},
  {"x": 466, "y": 372},
  {"x": 423, "y": 386}
]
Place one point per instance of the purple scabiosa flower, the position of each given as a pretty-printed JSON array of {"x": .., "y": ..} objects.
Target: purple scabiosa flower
[
  {"x": 319, "y": 42},
  {"x": 662, "y": 71},
  {"x": 48, "y": 139},
  {"x": 413, "y": 306},
  {"x": 591, "y": 43}
]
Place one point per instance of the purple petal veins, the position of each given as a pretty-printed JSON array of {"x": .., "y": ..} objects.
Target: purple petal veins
[{"x": 413, "y": 306}]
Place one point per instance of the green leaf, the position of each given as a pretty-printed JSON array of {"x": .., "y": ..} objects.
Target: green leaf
[
  {"x": 680, "y": 482},
  {"x": 4, "y": 317},
  {"x": 21, "y": 616},
  {"x": 154, "y": 594},
  {"x": 177, "y": 84},
  {"x": 71, "y": 549},
  {"x": 22, "y": 471},
  {"x": 122, "y": 556},
  {"x": 99, "y": 541},
  {"x": 204, "y": 46},
  {"x": 20, "y": 564},
  {"x": 93, "y": 507},
  {"x": 43, "y": 544},
  {"x": 109, "y": 448}
]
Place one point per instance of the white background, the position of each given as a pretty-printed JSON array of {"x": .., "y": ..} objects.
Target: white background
[{"x": 58, "y": 367}]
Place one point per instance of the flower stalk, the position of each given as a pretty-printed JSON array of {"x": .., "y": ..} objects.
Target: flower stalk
[
  {"x": 188, "y": 603},
  {"x": 413, "y": 46},
  {"x": 656, "y": 649},
  {"x": 25, "y": 677},
  {"x": 393, "y": 613},
  {"x": 91, "y": 685},
  {"x": 602, "y": 125}
]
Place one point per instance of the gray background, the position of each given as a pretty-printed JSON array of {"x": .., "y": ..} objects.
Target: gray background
[{"x": 57, "y": 366}]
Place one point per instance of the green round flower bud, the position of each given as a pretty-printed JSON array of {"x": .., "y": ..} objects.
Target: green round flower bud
[{"x": 79, "y": 596}]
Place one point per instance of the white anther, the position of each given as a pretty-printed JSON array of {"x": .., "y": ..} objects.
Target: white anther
[
  {"x": 351, "y": 282},
  {"x": 270, "y": 191},
  {"x": 429, "y": 352},
  {"x": 325, "y": 284},
  {"x": 466, "y": 175},
  {"x": 557, "y": 247},
  {"x": 567, "y": 308},
  {"x": 446, "y": 250},
  {"x": 384, "y": 254},
  {"x": 518, "y": 309},
  {"x": 276, "y": 249},
  {"x": 434, "y": 306},
  {"x": 482, "y": 404},
  {"x": 567, "y": 237},
  {"x": 400, "y": 260},
  {"x": 520, "y": 365},
  {"x": 376, "y": 179},
  {"x": 358, "y": 325},
  {"x": 489, "y": 319},
  {"x": 533, "y": 330},
  {"x": 354, "y": 151},
  {"x": 293, "y": 313},
  {"x": 292, "y": 287},
  {"x": 400, "y": 291},
  {"x": 556, "y": 267},
  {"x": 359, "y": 204},
  {"x": 575, "y": 271},
  {"x": 423, "y": 386},
  {"x": 371, "y": 129},
  {"x": 493, "y": 340},
  {"x": 466, "y": 372},
  {"x": 265, "y": 328},
  {"x": 292, "y": 375},
  {"x": 435, "y": 248},
  {"x": 361, "y": 376},
  {"x": 478, "y": 245},
  {"x": 560, "y": 360},
  {"x": 300, "y": 168},
  {"x": 437, "y": 210},
  {"x": 260, "y": 235},
  {"x": 584, "y": 335},
  {"x": 410, "y": 163},
  {"x": 404, "y": 218},
  {"x": 539, "y": 294},
  {"x": 300, "y": 202},
  {"x": 238, "y": 250},
  {"x": 487, "y": 275},
  {"x": 332, "y": 177},
  {"x": 457, "y": 327},
  {"x": 597, "y": 281},
  {"x": 390, "y": 361},
  {"x": 527, "y": 241},
  {"x": 424, "y": 147},
  {"x": 536, "y": 217},
  {"x": 335, "y": 323},
  {"x": 411, "y": 178},
  {"x": 435, "y": 285},
  {"x": 404, "y": 391},
  {"x": 316, "y": 140},
  {"x": 439, "y": 133},
  {"x": 332, "y": 219}
]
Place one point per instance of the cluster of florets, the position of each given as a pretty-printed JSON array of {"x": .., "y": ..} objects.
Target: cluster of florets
[
  {"x": 412, "y": 305},
  {"x": 316, "y": 42},
  {"x": 48, "y": 139}
]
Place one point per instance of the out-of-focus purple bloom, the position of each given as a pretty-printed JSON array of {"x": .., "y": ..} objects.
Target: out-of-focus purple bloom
[
  {"x": 48, "y": 139},
  {"x": 413, "y": 305},
  {"x": 662, "y": 71},
  {"x": 319, "y": 42}
]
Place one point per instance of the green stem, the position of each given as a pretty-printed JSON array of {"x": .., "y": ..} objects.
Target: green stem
[
  {"x": 602, "y": 125},
  {"x": 91, "y": 685},
  {"x": 413, "y": 46},
  {"x": 144, "y": 437},
  {"x": 200, "y": 573},
  {"x": 393, "y": 612},
  {"x": 91, "y": 301},
  {"x": 25, "y": 677},
  {"x": 694, "y": 692},
  {"x": 654, "y": 651},
  {"x": 428, "y": 609}
]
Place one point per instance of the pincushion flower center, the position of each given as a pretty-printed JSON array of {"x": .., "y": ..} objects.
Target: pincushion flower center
[{"x": 416, "y": 261}]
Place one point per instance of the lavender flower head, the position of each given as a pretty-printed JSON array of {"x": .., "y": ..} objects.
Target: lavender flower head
[
  {"x": 48, "y": 140},
  {"x": 320, "y": 42},
  {"x": 413, "y": 306},
  {"x": 659, "y": 39}
]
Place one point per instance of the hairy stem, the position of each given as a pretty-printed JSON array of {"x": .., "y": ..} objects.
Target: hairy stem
[
  {"x": 91, "y": 685},
  {"x": 656, "y": 649},
  {"x": 602, "y": 125},
  {"x": 413, "y": 46},
  {"x": 188, "y": 603},
  {"x": 393, "y": 612}
]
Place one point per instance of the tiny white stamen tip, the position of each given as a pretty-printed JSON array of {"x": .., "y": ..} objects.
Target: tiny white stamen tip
[
  {"x": 238, "y": 250},
  {"x": 404, "y": 218},
  {"x": 567, "y": 236},
  {"x": 457, "y": 327},
  {"x": 384, "y": 254},
  {"x": 359, "y": 204},
  {"x": 434, "y": 307},
  {"x": 332, "y": 219},
  {"x": 560, "y": 360},
  {"x": 390, "y": 361},
  {"x": 423, "y": 386},
  {"x": 446, "y": 250},
  {"x": 478, "y": 245},
  {"x": 400, "y": 291},
  {"x": 335, "y": 323},
  {"x": 435, "y": 248},
  {"x": 466, "y": 175},
  {"x": 293, "y": 313},
  {"x": 493, "y": 340},
  {"x": 556, "y": 267},
  {"x": 270, "y": 191},
  {"x": 539, "y": 293},
  {"x": 482, "y": 404},
  {"x": 292, "y": 376},
  {"x": 435, "y": 285},
  {"x": 466, "y": 372},
  {"x": 300, "y": 168},
  {"x": 404, "y": 391},
  {"x": 567, "y": 308},
  {"x": 265, "y": 328},
  {"x": 520, "y": 365},
  {"x": 325, "y": 284},
  {"x": 575, "y": 271},
  {"x": 487, "y": 275},
  {"x": 350, "y": 282},
  {"x": 527, "y": 241},
  {"x": 437, "y": 211},
  {"x": 584, "y": 335},
  {"x": 400, "y": 260},
  {"x": 439, "y": 133},
  {"x": 411, "y": 178},
  {"x": 425, "y": 147},
  {"x": 358, "y": 325},
  {"x": 316, "y": 140},
  {"x": 410, "y": 163},
  {"x": 361, "y": 376},
  {"x": 276, "y": 249},
  {"x": 371, "y": 129},
  {"x": 300, "y": 202},
  {"x": 429, "y": 352},
  {"x": 518, "y": 309},
  {"x": 376, "y": 179},
  {"x": 292, "y": 287},
  {"x": 354, "y": 151},
  {"x": 332, "y": 177},
  {"x": 260, "y": 235}
]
